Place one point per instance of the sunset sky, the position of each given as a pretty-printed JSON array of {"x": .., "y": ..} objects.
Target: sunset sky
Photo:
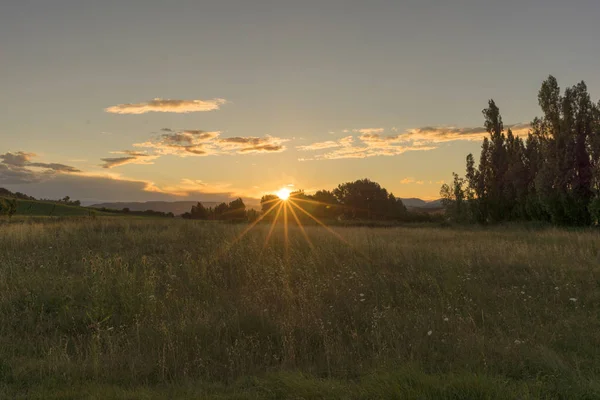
[{"x": 138, "y": 100}]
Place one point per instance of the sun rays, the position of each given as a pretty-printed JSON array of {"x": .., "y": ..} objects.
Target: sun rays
[{"x": 285, "y": 208}]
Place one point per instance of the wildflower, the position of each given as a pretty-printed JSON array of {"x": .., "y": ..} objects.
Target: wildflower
[
  {"x": 573, "y": 299},
  {"x": 429, "y": 333},
  {"x": 556, "y": 288},
  {"x": 446, "y": 319},
  {"x": 522, "y": 292},
  {"x": 362, "y": 295},
  {"x": 517, "y": 341},
  {"x": 362, "y": 300}
]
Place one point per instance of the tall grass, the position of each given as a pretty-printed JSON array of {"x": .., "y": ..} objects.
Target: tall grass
[{"x": 155, "y": 307}]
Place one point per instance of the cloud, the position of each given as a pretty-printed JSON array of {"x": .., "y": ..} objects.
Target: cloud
[
  {"x": 343, "y": 142},
  {"x": 448, "y": 134},
  {"x": 95, "y": 187},
  {"x": 17, "y": 159},
  {"x": 131, "y": 157},
  {"x": 368, "y": 131},
  {"x": 251, "y": 144},
  {"x": 167, "y": 105},
  {"x": 201, "y": 143},
  {"x": 406, "y": 181},
  {"x": 373, "y": 143},
  {"x": 17, "y": 168}
]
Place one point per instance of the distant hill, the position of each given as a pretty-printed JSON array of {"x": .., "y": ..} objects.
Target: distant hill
[
  {"x": 415, "y": 203},
  {"x": 176, "y": 207}
]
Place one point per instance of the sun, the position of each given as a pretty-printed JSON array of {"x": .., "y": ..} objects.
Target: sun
[{"x": 283, "y": 194}]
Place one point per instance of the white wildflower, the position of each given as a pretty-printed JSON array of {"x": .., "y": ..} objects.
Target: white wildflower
[
  {"x": 429, "y": 333},
  {"x": 573, "y": 299}
]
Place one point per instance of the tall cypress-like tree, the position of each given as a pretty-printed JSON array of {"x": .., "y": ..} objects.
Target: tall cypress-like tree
[
  {"x": 553, "y": 176},
  {"x": 498, "y": 164}
]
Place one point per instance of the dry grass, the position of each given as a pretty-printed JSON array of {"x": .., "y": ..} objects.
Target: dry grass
[{"x": 144, "y": 308}]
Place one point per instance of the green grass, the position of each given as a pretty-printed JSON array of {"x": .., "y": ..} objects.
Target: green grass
[
  {"x": 125, "y": 308},
  {"x": 44, "y": 208}
]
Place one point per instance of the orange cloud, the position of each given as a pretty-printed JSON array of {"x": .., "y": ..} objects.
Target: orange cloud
[
  {"x": 374, "y": 143},
  {"x": 167, "y": 105},
  {"x": 201, "y": 143}
]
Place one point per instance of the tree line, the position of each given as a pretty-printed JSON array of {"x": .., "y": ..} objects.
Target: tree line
[
  {"x": 146, "y": 213},
  {"x": 553, "y": 175},
  {"x": 232, "y": 211},
  {"x": 362, "y": 199}
]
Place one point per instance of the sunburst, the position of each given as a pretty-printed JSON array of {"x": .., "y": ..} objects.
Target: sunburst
[{"x": 284, "y": 204}]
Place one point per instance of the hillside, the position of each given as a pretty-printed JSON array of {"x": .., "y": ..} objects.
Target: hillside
[
  {"x": 176, "y": 207},
  {"x": 44, "y": 208},
  {"x": 417, "y": 203}
]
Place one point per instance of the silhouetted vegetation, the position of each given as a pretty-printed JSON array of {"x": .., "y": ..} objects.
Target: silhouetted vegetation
[
  {"x": 147, "y": 213},
  {"x": 551, "y": 176},
  {"x": 21, "y": 196},
  {"x": 352, "y": 202},
  {"x": 233, "y": 211},
  {"x": 8, "y": 207},
  {"x": 16, "y": 195}
]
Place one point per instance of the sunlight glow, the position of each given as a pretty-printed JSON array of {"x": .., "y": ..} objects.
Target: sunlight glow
[{"x": 283, "y": 194}]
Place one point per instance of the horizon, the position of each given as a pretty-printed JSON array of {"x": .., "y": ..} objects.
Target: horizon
[{"x": 149, "y": 101}]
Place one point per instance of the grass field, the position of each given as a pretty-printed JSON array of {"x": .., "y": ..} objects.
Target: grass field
[
  {"x": 124, "y": 308},
  {"x": 45, "y": 208}
]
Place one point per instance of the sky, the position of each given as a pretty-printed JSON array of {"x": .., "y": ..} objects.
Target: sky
[{"x": 208, "y": 100}]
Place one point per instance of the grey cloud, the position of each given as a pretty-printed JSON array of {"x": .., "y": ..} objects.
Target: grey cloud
[
  {"x": 131, "y": 157},
  {"x": 17, "y": 168}
]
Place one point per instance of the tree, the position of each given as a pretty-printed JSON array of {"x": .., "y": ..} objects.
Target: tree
[
  {"x": 267, "y": 202},
  {"x": 220, "y": 210},
  {"x": 236, "y": 210},
  {"x": 8, "y": 207},
  {"x": 498, "y": 164},
  {"x": 327, "y": 205},
  {"x": 453, "y": 199},
  {"x": 553, "y": 176},
  {"x": 365, "y": 199},
  {"x": 199, "y": 212}
]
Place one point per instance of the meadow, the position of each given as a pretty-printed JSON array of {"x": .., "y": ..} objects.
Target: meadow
[{"x": 151, "y": 308}]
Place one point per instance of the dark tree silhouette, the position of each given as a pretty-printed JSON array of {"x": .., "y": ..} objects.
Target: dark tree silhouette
[
  {"x": 365, "y": 199},
  {"x": 553, "y": 176}
]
